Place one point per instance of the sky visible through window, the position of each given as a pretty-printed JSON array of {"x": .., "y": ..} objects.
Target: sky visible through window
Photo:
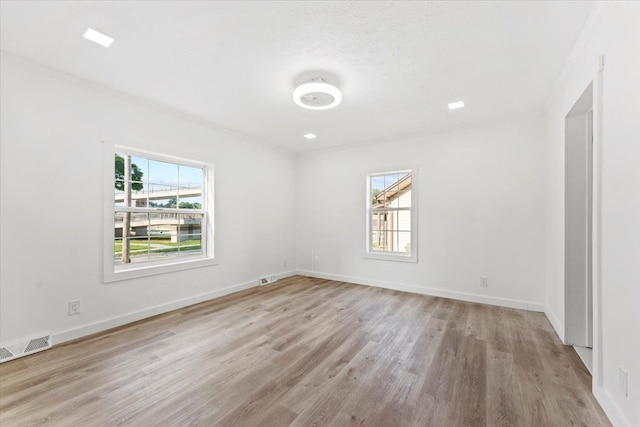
[
  {"x": 171, "y": 178},
  {"x": 162, "y": 173}
]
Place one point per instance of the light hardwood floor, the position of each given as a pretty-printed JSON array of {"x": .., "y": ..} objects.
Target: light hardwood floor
[{"x": 309, "y": 352}]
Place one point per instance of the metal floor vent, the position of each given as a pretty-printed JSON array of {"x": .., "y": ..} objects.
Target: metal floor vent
[
  {"x": 5, "y": 354},
  {"x": 35, "y": 345}
]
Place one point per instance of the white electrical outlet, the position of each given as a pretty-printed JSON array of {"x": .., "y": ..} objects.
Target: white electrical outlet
[
  {"x": 74, "y": 307},
  {"x": 623, "y": 379},
  {"x": 484, "y": 281}
]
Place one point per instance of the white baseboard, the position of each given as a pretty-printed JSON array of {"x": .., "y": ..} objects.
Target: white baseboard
[
  {"x": 103, "y": 325},
  {"x": 615, "y": 415},
  {"x": 557, "y": 326},
  {"x": 286, "y": 274},
  {"x": 462, "y": 296}
]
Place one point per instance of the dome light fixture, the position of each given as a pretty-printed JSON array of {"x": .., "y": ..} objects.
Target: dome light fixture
[{"x": 317, "y": 95}]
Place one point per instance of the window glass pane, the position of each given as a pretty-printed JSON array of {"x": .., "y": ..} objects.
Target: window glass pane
[
  {"x": 134, "y": 180},
  {"x": 139, "y": 248},
  {"x": 137, "y": 198},
  {"x": 190, "y": 177},
  {"x": 117, "y": 251},
  {"x": 403, "y": 220},
  {"x": 163, "y": 229},
  {"x": 191, "y": 246},
  {"x": 163, "y": 196},
  {"x": 190, "y": 202},
  {"x": 403, "y": 242},
  {"x": 379, "y": 221},
  {"x": 190, "y": 226},
  {"x": 119, "y": 192},
  {"x": 139, "y": 177},
  {"x": 118, "y": 220},
  {"x": 163, "y": 173},
  {"x": 390, "y": 187},
  {"x": 162, "y": 226},
  {"x": 377, "y": 188},
  {"x": 404, "y": 197},
  {"x": 392, "y": 194},
  {"x": 377, "y": 243}
]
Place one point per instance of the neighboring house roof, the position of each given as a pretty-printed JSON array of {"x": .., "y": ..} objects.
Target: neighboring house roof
[{"x": 393, "y": 191}]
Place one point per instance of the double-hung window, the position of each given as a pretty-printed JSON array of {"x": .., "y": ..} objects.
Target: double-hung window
[
  {"x": 391, "y": 216},
  {"x": 160, "y": 210}
]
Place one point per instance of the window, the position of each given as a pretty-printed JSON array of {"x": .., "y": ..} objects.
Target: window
[
  {"x": 391, "y": 224},
  {"x": 160, "y": 214}
]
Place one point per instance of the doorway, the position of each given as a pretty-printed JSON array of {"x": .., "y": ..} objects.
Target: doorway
[{"x": 578, "y": 226}]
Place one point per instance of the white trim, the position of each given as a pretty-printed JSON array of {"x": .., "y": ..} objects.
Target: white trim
[
  {"x": 159, "y": 157},
  {"x": 151, "y": 269},
  {"x": 461, "y": 296},
  {"x": 393, "y": 256},
  {"x": 596, "y": 225},
  {"x": 103, "y": 325},
  {"x": 582, "y": 42},
  {"x": 616, "y": 416},
  {"x": 557, "y": 325},
  {"x": 109, "y": 272}
]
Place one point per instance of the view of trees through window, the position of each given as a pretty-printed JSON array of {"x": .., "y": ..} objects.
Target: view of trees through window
[
  {"x": 390, "y": 212},
  {"x": 158, "y": 210}
]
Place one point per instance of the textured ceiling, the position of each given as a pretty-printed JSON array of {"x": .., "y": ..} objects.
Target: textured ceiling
[{"x": 236, "y": 64}]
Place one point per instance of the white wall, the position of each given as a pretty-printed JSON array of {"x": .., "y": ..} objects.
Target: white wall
[
  {"x": 480, "y": 213},
  {"x": 614, "y": 32},
  {"x": 52, "y": 180}
]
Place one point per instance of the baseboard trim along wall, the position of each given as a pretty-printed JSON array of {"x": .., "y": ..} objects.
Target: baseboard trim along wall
[
  {"x": 557, "y": 326},
  {"x": 462, "y": 296},
  {"x": 609, "y": 407},
  {"x": 103, "y": 325}
]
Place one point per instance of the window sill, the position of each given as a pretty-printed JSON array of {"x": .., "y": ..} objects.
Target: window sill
[
  {"x": 387, "y": 256},
  {"x": 134, "y": 272}
]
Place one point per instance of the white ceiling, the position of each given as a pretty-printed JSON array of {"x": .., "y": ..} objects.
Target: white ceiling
[{"x": 236, "y": 64}]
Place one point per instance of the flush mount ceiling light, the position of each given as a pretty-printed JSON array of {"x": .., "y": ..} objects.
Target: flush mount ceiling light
[
  {"x": 317, "y": 95},
  {"x": 456, "y": 105},
  {"x": 309, "y": 136},
  {"x": 98, "y": 37}
]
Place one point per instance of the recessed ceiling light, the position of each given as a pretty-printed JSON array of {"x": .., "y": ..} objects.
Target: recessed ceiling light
[
  {"x": 456, "y": 105},
  {"x": 310, "y": 136},
  {"x": 317, "y": 95},
  {"x": 97, "y": 37}
]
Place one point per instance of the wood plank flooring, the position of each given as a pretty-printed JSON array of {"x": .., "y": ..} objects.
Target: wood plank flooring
[{"x": 309, "y": 352}]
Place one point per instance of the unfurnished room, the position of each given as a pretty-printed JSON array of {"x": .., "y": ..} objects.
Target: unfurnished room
[{"x": 320, "y": 213}]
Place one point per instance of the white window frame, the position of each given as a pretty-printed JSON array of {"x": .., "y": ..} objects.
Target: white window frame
[
  {"x": 388, "y": 255},
  {"x": 113, "y": 273}
]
